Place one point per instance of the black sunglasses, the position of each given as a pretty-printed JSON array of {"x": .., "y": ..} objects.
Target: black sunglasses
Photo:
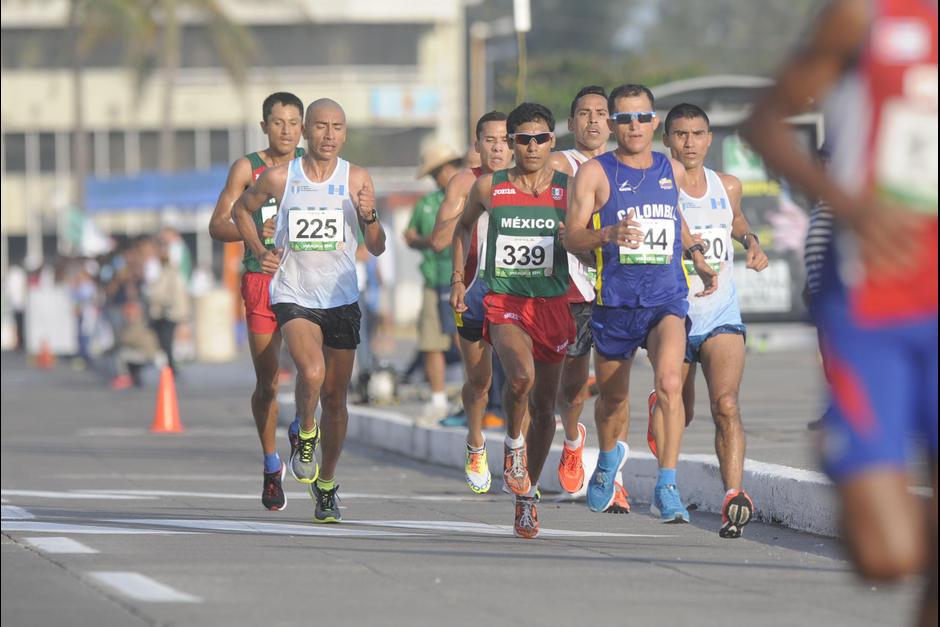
[
  {"x": 524, "y": 139},
  {"x": 626, "y": 118}
]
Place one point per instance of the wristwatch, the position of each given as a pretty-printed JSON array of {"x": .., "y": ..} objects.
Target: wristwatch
[
  {"x": 694, "y": 247},
  {"x": 746, "y": 240},
  {"x": 375, "y": 217}
]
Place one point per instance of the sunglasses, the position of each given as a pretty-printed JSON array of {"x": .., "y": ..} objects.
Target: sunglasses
[
  {"x": 626, "y": 118},
  {"x": 524, "y": 139}
]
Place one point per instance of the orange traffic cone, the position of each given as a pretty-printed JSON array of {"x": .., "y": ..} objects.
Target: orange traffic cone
[
  {"x": 45, "y": 359},
  {"x": 166, "y": 418}
]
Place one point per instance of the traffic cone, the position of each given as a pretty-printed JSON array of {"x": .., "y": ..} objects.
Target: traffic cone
[
  {"x": 166, "y": 418},
  {"x": 45, "y": 359}
]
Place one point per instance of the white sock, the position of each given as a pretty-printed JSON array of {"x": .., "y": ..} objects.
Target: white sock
[
  {"x": 439, "y": 399},
  {"x": 517, "y": 443},
  {"x": 619, "y": 477},
  {"x": 474, "y": 449},
  {"x": 531, "y": 493},
  {"x": 573, "y": 444}
]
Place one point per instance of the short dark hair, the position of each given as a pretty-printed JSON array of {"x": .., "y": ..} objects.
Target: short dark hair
[
  {"x": 492, "y": 116},
  {"x": 587, "y": 91},
  {"x": 529, "y": 112},
  {"x": 685, "y": 111},
  {"x": 281, "y": 97},
  {"x": 629, "y": 90}
]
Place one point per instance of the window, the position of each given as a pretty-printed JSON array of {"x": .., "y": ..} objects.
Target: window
[
  {"x": 116, "y": 153},
  {"x": 47, "y": 152},
  {"x": 14, "y": 145},
  {"x": 218, "y": 146},
  {"x": 149, "y": 150}
]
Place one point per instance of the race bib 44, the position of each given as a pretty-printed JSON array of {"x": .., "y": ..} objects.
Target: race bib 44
[{"x": 659, "y": 237}]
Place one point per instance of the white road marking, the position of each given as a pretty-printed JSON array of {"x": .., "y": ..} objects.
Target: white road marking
[
  {"x": 38, "y": 526},
  {"x": 246, "y": 526},
  {"x": 140, "y": 587},
  {"x": 150, "y": 495},
  {"x": 12, "y": 512},
  {"x": 57, "y": 544},
  {"x": 125, "y": 432},
  {"x": 79, "y": 494},
  {"x": 458, "y": 526}
]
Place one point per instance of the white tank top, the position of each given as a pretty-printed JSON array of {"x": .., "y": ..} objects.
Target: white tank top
[
  {"x": 582, "y": 277},
  {"x": 316, "y": 228},
  {"x": 711, "y": 216}
]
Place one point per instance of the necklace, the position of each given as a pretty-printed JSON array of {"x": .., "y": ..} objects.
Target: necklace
[
  {"x": 627, "y": 186},
  {"x": 533, "y": 189}
]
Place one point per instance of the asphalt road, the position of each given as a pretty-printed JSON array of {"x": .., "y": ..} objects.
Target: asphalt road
[{"x": 107, "y": 524}]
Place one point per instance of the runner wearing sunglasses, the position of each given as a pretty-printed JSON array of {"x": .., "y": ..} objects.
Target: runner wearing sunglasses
[
  {"x": 528, "y": 321},
  {"x": 625, "y": 207}
]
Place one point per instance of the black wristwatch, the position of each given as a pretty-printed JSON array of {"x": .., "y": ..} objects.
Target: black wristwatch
[
  {"x": 375, "y": 217},
  {"x": 694, "y": 247},
  {"x": 746, "y": 240}
]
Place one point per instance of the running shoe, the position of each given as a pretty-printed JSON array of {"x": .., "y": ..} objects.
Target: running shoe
[
  {"x": 326, "y": 504},
  {"x": 303, "y": 461},
  {"x": 600, "y": 490},
  {"x": 620, "y": 505},
  {"x": 527, "y": 518},
  {"x": 736, "y": 511},
  {"x": 477, "y": 470},
  {"x": 570, "y": 467},
  {"x": 492, "y": 421},
  {"x": 272, "y": 493},
  {"x": 650, "y": 404},
  {"x": 515, "y": 470},
  {"x": 293, "y": 436},
  {"x": 668, "y": 505},
  {"x": 458, "y": 419}
]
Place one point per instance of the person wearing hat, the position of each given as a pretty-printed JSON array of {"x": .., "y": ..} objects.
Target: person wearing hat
[{"x": 435, "y": 327}]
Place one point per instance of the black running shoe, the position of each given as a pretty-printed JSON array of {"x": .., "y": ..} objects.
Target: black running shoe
[
  {"x": 326, "y": 509},
  {"x": 737, "y": 511},
  {"x": 272, "y": 494}
]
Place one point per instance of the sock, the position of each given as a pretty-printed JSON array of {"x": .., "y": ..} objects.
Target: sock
[
  {"x": 573, "y": 444},
  {"x": 667, "y": 476},
  {"x": 439, "y": 399},
  {"x": 474, "y": 449},
  {"x": 306, "y": 435},
  {"x": 531, "y": 493},
  {"x": 294, "y": 426},
  {"x": 272, "y": 462},
  {"x": 517, "y": 443},
  {"x": 607, "y": 460},
  {"x": 325, "y": 484}
]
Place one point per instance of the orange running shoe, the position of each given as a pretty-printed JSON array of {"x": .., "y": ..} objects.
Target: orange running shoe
[
  {"x": 620, "y": 505},
  {"x": 492, "y": 421},
  {"x": 650, "y": 404},
  {"x": 736, "y": 511},
  {"x": 570, "y": 466},
  {"x": 527, "y": 518},
  {"x": 516, "y": 470}
]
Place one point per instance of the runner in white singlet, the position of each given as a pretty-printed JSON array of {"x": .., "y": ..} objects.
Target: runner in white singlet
[{"x": 323, "y": 201}]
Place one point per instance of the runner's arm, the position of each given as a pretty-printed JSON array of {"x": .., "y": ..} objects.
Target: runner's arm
[
  {"x": 740, "y": 229},
  {"x": 588, "y": 186},
  {"x": 560, "y": 163},
  {"x": 221, "y": 226},
  {"x": 373, "y": 234},
  {"x": 802, "y": 83},
  {"x": 706, "y": 273},
  {"x": 269, "y": 184},
  {"x": 455, "y": 198}
]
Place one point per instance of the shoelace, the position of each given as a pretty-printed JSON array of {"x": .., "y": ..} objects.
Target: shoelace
[
  {"x": 525, "y": 519},
  {"x": 327, "y": 499},
  {"x": 670, "y": 498},
  {"x": 306, "y": 449},
  {"x": 476, "y": 462},
  {"x": 517, "y": 469},
  {"x": 571, "y": 461}
]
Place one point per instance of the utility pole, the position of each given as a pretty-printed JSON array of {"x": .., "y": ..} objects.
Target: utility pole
[{"x": 522, "y": 18}]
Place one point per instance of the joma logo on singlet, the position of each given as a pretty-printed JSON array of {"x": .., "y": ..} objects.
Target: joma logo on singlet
[
  {"x": 657, "y": 210},
  {"x": 504, "y": 191},
  {"x": 527, "y": 223}
]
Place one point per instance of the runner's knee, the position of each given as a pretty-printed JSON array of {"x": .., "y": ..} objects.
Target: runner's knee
[
  {"x": 725, "y": 409},
  {"x": 888, "y": 556},
  {"x": 520, "y": 383},
  {"x": 478, "y": 385},
  {"x": 312, "y": 376},
  {"x": 265, "y": 391},
  {"x": 669, "y": 387},
  {"x": 334, "y": 403}
]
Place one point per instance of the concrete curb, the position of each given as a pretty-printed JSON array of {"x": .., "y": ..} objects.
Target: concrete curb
[{"x": 799, "y": 499}]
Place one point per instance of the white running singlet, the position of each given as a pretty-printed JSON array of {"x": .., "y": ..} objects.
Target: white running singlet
[
  {"x": 710, "y": 216},
  {"x": 316, "y": 229},
  {"x": 582, "y": 277}
]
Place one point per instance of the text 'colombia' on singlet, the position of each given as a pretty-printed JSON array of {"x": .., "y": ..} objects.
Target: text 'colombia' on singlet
[{"x": 652, "y": 274}]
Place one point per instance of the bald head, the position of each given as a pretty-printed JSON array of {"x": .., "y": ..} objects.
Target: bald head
[
  {"x": 321, "y": 106},
  {"x": 325, "y": 129}
]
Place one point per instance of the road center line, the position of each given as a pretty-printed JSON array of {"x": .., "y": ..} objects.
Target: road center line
[
  {"x": 58, "y": 544},
  {"x": 140, "y": 587}
]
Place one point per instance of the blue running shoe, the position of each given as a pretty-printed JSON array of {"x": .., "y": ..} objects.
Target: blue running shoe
[
  {"x": 600, "y": 489},
  {"x": 668, "y": 506},
  {"x": 458, "y": 419}
]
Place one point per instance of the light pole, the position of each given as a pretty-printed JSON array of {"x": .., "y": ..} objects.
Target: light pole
[{"x": 522, "y": 19}]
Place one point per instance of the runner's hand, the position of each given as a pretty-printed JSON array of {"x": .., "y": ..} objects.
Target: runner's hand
[
  {"x": 756, "y": 258},
  {"x": 706, "y": 273},
  {"x": 624, "y": 233},
  {"x": 457, "y": 292},
  {"x": 366, "y": 199},
  {"x": 267, "y": 229},
  {"x": 271, "y": 260},
  {"x": 561, "y": 234}
]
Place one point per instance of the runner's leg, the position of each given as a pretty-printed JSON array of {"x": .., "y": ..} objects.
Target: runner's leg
[
  {"x": 335, "y": 416},
  {"x": 265, "y": 350},
  {"x": 304, "y": 340},
  {"x": 478, "y": 367},
  {"x": 573, "y": 392},
  {"x": 723, "y": 367},
  {"x": 514, "y": 348},
  {"x": 542, "y": 410},
  {"x": 612, "y": 408},
  {"x": 666, "y": 348}
]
